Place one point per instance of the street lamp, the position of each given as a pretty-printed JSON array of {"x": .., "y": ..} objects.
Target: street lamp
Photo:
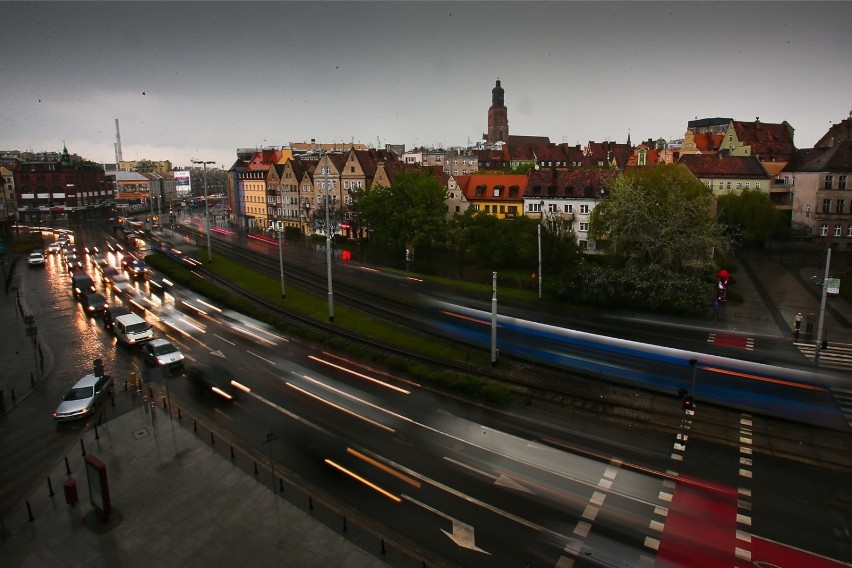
[
  {"x": 206, "y": 208},
  {"x": 328, "y": 244},
  {"x": 280, "y": 260},
  {"x": 541, "y": 208}
]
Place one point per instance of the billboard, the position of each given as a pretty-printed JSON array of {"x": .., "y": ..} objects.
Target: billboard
[{"x": 183, "y": 185}]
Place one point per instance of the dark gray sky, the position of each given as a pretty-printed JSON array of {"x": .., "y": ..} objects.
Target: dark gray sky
[{"x": 196, "y": 80}]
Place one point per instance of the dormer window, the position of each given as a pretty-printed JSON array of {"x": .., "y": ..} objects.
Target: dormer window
[
  {"x": 513, "y": 190},
  {"x": 497, "y": 190},
  {"x": 479, "y": 190}
]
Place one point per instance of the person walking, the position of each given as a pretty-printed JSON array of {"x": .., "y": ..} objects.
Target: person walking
[{"x": 797, "y": 323}]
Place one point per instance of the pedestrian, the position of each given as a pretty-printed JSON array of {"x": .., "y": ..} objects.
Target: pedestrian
[{"x": 797, "y": 323}]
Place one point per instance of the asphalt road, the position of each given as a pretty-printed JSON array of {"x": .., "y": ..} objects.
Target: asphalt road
[{"x": 478, "y": 486}]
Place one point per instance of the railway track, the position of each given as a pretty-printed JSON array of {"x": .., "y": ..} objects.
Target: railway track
[{"x": 535, "y": 384}]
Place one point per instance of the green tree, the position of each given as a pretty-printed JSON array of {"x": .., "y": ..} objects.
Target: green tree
[
  {"x": 661, "y": 215},
  {"x": 409, "y": 212},
  {"x": 749, "y": 215}
]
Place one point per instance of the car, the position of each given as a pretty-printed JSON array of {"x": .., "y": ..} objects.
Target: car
[
  {"x": 107, "y": 271},
  {"x": 120, "y": 283},
  {"x": 162, "y": 352},
  {"x": 36, "y": 258},
  {"x": 215, "y": 379},
  {"x": 131, "y": 329},
  {"x": 94, "y": 303},
  {"x": 82, "y": 399},
  {"x": 136, "y": 268},
  {"x": 81, "y": 283},
  {"x": 113, "y": 312},
  {"x": 54, "y": 248}
]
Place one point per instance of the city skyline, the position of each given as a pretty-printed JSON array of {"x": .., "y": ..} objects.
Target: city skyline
[{"x": 197, "y": 80}]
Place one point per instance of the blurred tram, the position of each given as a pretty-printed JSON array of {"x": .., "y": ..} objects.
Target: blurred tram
[{"x": 797, "y": 394}]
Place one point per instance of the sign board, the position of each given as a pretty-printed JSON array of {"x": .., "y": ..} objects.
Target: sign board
[{"x": 832, "y": 286}]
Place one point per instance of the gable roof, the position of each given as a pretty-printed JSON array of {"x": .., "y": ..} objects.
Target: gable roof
[
  {"x": 511, "y": 187},
  {"x": 837, "y": 158},
  {"x": 836, "y": 134},
  {"x": 723, "y": 165},
  {"x": 569, "y": 183},
  {"x": 768, "y": 141}
]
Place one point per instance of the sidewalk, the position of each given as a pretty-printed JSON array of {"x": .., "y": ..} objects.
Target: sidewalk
[{"x": 176, "y": 501}]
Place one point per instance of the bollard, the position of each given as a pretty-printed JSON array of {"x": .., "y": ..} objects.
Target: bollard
[
  {"x": 30, "y": 512},
  {"x": 310, "y": 503},
  {"x": 280, "y": 485},
  {"x": 82, "y": 447},
  {"x": 97, "y": 436},
  {"x": 194, "y": 426},
  {"x": 164, "y": 402},
  {"x": 67, "y": 466},
  {"x": 212, "y": 441},
  {"x": 383, "y": 547},
  {"x": 344, "y": 524},
  {"x": 13, "y": 397},
  {"x": 125, "y": 385},
  {"x": 178, "y": 412},
  {"x": 232, "y": 453},
  {"x": 50, "y": 487},
  {"x": 255, "y": 468}
]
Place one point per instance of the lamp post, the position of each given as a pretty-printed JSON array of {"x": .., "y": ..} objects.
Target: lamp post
[
  {"x": 280, "y": 261},
  {"x": 206, "y": 208},
  {"x": 541, "y": 207},
  {"x": 820, "y": 340},
  {"x": 328, "y": 244}
]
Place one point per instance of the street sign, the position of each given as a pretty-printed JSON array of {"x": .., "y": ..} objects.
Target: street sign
[{"x": 832, "y": 286}]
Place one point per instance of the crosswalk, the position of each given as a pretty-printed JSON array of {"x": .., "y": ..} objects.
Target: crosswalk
[{"x": 837, "y": 356}]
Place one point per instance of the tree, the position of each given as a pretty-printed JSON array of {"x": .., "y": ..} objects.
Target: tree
[
  {"x": 749, "y": 215},
  {"x": 661, "y": 215},
  {"x": 408, "y": 213},
  {"x": 145, "y": 166}
]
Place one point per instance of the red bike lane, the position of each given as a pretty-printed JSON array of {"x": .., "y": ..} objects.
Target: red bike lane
[{"x": 701, "y": 531}]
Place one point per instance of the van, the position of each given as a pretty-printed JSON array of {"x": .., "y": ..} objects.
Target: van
[
  {"x": 131, "y": 329},
  {"x": 81, "y": 283}
]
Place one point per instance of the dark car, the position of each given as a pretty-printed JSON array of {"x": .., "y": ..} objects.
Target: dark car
[
  {"x": 81, "y": 283},
  {"x": 136, "y": 268},
  {"x": 94, "y": 303},
  {"x": 113, "y": 312},
  {"x": 215, "y": 379}
]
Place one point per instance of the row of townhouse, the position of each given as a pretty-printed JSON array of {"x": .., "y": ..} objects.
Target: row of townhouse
[{"x": 278, "y": 189}]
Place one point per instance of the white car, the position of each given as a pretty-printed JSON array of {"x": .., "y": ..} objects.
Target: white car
[
  {"x": 162, "y": 352},
  {"x": 36, "y": 258},
  {"x": 82, "y": 399},
  {"x": 54, "y": 248}
]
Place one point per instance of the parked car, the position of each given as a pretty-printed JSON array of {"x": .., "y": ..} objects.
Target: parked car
[
  {"x": 94, "y": 303},
  {"x": 162, "y": 352},
  {"x": 36, "y": 258},
  {"x": 113, "y": 312},
  {"x": 82, "y": 399}
]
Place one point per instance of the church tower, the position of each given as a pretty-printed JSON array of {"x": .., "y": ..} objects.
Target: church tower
[{"x": 498, "y": 121}]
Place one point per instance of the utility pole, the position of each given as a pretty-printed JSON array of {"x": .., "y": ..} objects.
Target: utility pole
[
  {"x": 328, "y": 241},
  {"x": 494, "y": 318},
  {"x": 206, "y": 209},
  {"x": 819, "y": 337}
]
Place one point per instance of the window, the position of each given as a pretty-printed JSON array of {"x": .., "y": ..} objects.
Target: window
[
  {"x": 747, "y": 185},
  {"x": 757, "y": 185},
  {"x": 841, "y": 204},
  {"x": 849, "y": 231},
  {"x": 569, "y": 208},
  {"x": 823, "y": 230},
  {"x": 729, "y": 185},
  {"x": 345, "y": 184},
  {"x": 841, "y": 183},
  {"x": 584, "y": 227},
  {"x": 826, "y": 205},
  {"x": 837, "y": 230},
  {"x": 584, "y": 245},
  {"x": 829, "y": 181},
  {"x": 739, "y": 185},
  {"x": 584, "y": 210}
]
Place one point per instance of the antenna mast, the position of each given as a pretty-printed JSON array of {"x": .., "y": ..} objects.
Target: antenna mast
[{"x": 118, "y": 156}]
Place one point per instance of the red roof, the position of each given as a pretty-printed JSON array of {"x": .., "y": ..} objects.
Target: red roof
[
  {"x": 768, "y": 141},
  {"x": 722, "y": 165},
  {"x": 510, "y": 187}
]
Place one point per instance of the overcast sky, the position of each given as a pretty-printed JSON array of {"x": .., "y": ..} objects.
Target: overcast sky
[{"x": 196, "y": 80}]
